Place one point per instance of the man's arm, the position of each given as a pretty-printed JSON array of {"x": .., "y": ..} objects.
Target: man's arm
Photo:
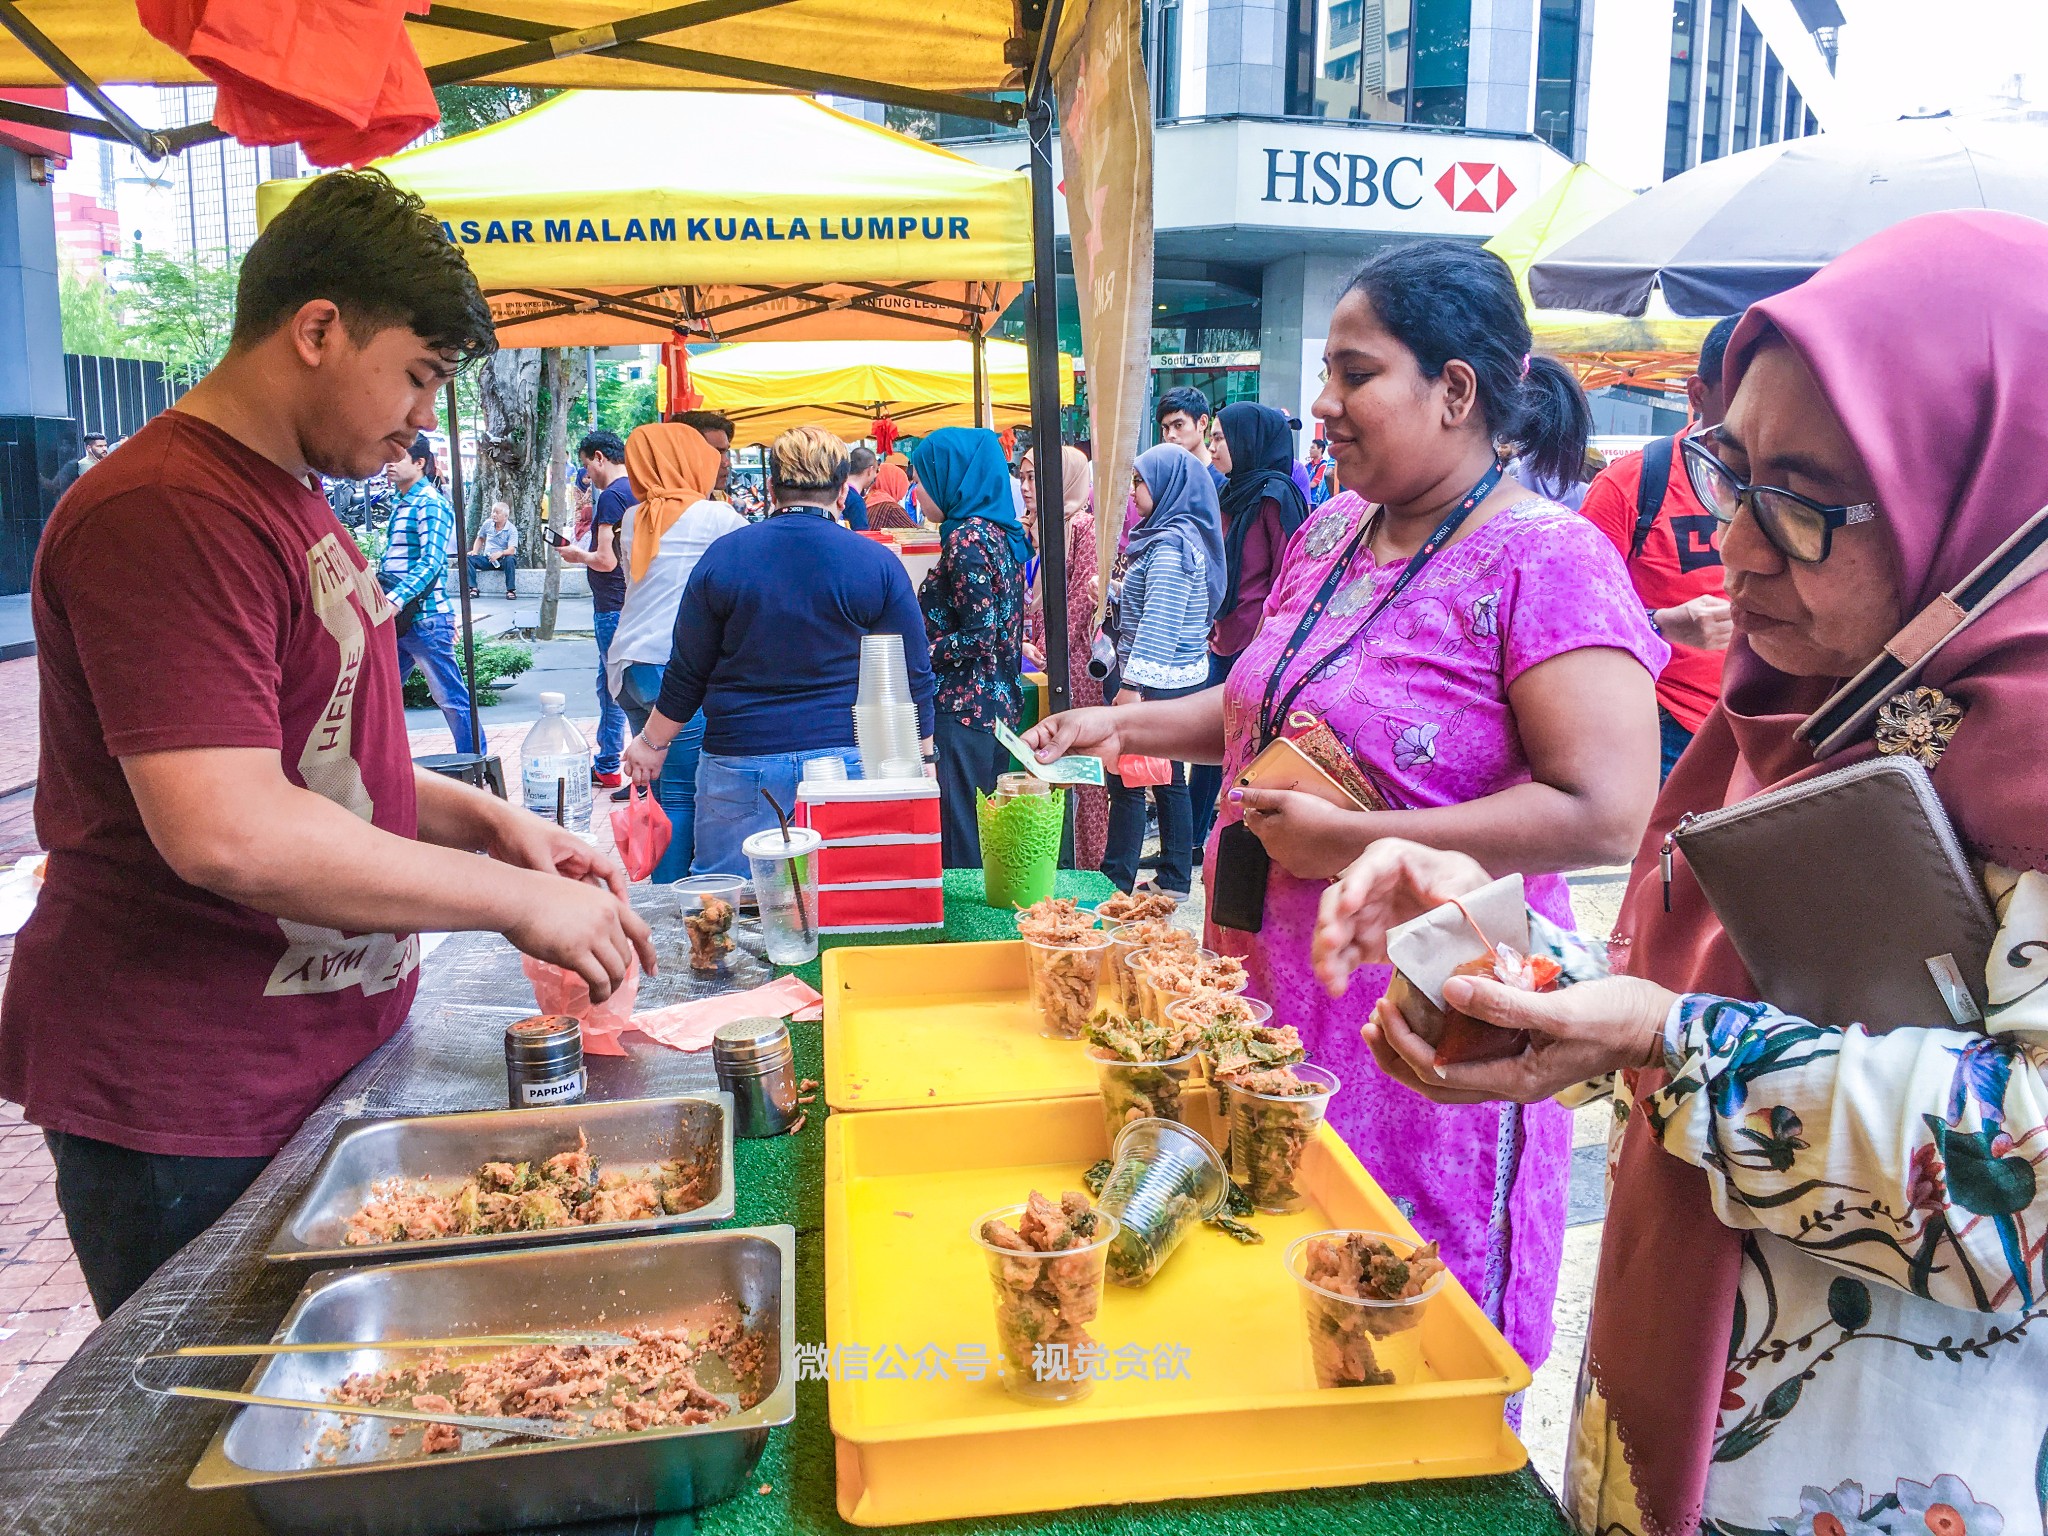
[
  {"x": 603, "y": 555},
  {"x": 228, "y": 821}
]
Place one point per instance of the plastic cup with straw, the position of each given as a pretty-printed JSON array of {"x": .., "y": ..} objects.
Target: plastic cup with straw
[{"x": 786, "y": 885}]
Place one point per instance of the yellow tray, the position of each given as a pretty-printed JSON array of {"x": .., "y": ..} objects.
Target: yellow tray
[
  {"x": 901, "y": 1190},
  {"x": 925, "y": 1025}
]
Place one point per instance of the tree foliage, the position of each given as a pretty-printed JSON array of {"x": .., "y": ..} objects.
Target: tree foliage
[
  {"x": 466, "y": 108},
  {"x": 90, "y": 315},
  {"x": 181, "y": 309},
  {"x": 623, "y": 403}
]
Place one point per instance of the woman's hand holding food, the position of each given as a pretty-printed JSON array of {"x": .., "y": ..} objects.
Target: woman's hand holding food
[
  {"x": 1306, "y": 836},
  {"x": 1582, "y": 1032},
  {"x": 1083, "y": 732},
  {"x": 1393, "y": 881}
]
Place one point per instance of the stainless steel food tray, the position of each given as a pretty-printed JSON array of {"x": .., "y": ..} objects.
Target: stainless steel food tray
[
  {"x": 629, "y": 1134},
  {"x": 270, "y": 1455}
]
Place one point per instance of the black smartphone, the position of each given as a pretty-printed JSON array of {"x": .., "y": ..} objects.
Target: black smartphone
[
  {"x": 1238, "y": 897},
  {"x": 554, "y": 538}
]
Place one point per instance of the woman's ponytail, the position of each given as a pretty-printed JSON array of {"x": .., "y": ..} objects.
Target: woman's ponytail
[{"x": 1555, "y": 423}]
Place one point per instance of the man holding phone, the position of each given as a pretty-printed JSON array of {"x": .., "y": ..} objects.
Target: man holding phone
[
  {"x": 604, "y": 460},
  {"x": 496, "y": 549}
]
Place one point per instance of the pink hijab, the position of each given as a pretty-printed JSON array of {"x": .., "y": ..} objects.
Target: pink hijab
[{"x": 1931, "y": 342}]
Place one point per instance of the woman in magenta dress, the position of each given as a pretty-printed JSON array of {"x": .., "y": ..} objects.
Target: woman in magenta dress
[{"x": 1479, "y": 652}]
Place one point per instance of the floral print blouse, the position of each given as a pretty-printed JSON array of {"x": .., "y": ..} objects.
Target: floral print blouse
[
  {"x": 973, "y": 602},
  {"x": 1888, "y": 1370}
]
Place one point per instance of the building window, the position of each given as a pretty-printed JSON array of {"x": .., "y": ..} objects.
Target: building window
[
  {"x": 1811, "y": 126},
  {"x": 1678, "y": 114},
  {"x": 1795, "y": 108},
  {"x": 1557, "y": 74},
  {"x": 1745, "y": 85},
  {"x": 1355, "y": 54},
  {"x": 1711, "y": 104},
  {"x": 1440, "y": 62},
  {"x": 1164, "y": 17},
  {"x": 1767, "y": 109}
]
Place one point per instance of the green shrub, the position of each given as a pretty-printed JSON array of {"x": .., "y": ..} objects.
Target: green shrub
[{"x": 497, "y": 663}]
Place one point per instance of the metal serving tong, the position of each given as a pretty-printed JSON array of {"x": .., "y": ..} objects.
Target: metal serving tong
[{"x": 540, "y": 1429}]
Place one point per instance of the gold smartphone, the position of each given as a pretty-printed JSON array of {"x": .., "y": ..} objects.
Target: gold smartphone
[{"x": 1283, "y": 765}]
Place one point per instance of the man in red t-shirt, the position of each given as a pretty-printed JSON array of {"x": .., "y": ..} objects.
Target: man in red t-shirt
[
  {"x": 240, "y": 849},
  {"x": 1676, "y": 564}
]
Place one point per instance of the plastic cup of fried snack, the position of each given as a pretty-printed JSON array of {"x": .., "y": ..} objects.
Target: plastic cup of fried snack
[
  {"x": 698, "y": 899},
  {"x": 1357, "y": 1341},
  {"x": 1142, "y": 1090},
  {"x": 1269, "y": 1132},
  {"x": 1126, "y": 941},
  {"x": 1157, "y": 985},
  {"x": 1190, "y": 1012},
  {"x": 1165, "y": 1179},
  {"x": 1044, "y": 1303},
  {"x": 1065, "y": 977}
]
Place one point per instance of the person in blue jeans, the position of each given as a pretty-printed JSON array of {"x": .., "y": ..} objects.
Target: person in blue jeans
[
  {"x": 418, "y": 540},
  {"x": 603, "y": 458},
  {"x": 767, "y": 646}
]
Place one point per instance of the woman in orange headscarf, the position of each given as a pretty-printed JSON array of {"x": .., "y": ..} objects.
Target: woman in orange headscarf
[{"x": 672, "y": 471}]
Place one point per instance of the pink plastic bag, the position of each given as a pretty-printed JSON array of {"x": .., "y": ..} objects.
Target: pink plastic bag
[
  {"x": 560, "y": 991},
  {"x": 641, "y": 830},
  {"x": 1143, "y": 772}
]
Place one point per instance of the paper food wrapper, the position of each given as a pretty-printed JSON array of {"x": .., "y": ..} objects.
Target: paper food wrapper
[{"x": 1427, "y": 949}]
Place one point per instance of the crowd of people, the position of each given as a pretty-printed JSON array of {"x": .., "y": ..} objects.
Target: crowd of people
[{"x": 1516, "y": 671}]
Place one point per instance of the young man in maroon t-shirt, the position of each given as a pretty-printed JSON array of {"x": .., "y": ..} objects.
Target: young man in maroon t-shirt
[
  {"x": 241, "y": 851},
  {"x": 1677, "y": 568}
]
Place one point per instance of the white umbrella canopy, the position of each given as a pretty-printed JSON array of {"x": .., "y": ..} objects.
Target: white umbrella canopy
[{"x": 1728, "y": 233}]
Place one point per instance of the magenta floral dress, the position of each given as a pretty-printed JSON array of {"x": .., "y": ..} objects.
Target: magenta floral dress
[{"x": 1421, "y": 701}]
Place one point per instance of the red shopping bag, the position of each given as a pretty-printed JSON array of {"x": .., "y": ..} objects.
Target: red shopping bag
[
  {"x": 641, "y": 830},
  {"x": 1144, "y": 772}
]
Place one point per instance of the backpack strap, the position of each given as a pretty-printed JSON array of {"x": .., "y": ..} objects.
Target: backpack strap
[{"x": 1650, "y": 495}]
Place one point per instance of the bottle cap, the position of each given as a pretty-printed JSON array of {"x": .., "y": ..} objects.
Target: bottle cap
[{"x": 553, "y": 700}]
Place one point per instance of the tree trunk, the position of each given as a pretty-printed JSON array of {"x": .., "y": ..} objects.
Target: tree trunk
[
  {"x": 511, "y": 462},
  {"x": 561, "y": 382}
]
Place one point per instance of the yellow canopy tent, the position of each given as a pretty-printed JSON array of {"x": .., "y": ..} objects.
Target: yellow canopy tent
[
  {"x": 767, "y": 387},
  {"x": 1609, "y": 348},
  {"x": 1002, "y": 61},
  {"x": 803, "y": 222}
]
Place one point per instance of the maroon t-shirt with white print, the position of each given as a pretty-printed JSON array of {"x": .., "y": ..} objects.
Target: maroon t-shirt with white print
[{"x": 189, "y": 593}]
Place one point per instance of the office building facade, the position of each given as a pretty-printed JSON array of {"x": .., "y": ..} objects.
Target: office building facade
[{"x": 1297, "y": 137}]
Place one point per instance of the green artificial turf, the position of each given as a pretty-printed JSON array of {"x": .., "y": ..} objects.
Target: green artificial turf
[{"x": 782, "y": 1181}]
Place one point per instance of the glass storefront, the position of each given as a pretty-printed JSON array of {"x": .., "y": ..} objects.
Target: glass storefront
[{"x": 1557, "y": 74}]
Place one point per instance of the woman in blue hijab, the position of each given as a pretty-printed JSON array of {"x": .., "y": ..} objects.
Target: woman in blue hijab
[
  {"x": 973, "y": 603},
  {"x": 1168, "y": 588}
]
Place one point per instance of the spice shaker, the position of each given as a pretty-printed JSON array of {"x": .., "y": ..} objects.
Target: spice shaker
[
  {"x": 544, "y": 1061},
  {"x": 756, "y": 1065}
]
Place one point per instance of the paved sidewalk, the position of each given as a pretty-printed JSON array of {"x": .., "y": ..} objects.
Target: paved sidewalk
[
  {"x": 20, "y": 735},
  {"x": 44, "y": 1311}
]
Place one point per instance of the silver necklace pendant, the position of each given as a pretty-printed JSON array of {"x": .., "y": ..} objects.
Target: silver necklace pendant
[
  {"x": 1326, "y": 532},
  {"x": 1353, "y": 595}
]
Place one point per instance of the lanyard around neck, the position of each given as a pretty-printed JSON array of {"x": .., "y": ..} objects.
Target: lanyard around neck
[{"x": 1270, "y": 713}]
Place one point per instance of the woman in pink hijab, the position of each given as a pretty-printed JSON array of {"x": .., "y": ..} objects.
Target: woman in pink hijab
[{"x": 1822, "y": 1304}]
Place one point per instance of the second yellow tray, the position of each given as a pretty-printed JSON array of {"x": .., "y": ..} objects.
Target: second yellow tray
[
  {"x": 919, "y": 1026},
  {"x": 905, "y": 1288}
]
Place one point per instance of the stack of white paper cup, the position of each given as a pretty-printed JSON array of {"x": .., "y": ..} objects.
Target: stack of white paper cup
[{"x": 884, "y": 715}]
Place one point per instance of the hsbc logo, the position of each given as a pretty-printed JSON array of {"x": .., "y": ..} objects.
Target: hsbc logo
[{"x": 1471, "y": 186}]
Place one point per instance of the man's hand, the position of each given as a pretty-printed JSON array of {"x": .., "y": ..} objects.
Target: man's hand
[
  {"x": 1087, "y": 732},
  {"x": 1392, "y": 881},
  {"x": 1704, "y": 623},
  {"x": 525, "y": 841},
  {"x": 1308, "y": 837},
  {"x": 588, "y": 930},
  {"x": 1582, "y": 1032},
  {"x": 642, "y": 762}
]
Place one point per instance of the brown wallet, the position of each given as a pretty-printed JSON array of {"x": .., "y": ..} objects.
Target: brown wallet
[{"x": 1849, "y": 898}]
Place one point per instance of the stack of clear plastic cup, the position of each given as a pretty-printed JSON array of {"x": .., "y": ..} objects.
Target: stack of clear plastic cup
[
  {"x": 1355, "y": 1341},
  {"x": 1165, "y": 1179},
  {"x": 884, "y": 714},
  {"x": 824, "y": 770}
]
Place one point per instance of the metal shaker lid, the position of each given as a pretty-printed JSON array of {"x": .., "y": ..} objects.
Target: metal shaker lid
[{"x": 751, "y": 1043}]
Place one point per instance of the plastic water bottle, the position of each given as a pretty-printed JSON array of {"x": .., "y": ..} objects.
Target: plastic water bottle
[{"x": 555, "y": 762}]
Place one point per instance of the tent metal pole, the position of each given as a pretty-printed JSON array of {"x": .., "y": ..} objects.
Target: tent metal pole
[
  {"x": 462, "y": 542},
  {"x": 1045, "y": 404},
  {"x": 982, "y": 415},
  {"x": 59, "y": 63}
]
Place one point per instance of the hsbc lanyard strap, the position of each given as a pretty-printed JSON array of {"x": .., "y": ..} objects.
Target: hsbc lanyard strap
[{"x": 1271, "y": 714}]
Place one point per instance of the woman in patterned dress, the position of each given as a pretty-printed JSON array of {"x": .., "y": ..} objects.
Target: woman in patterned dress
[
  {"x": 1822, "y": 1307},
  {"x": 1503, "y": 701}
]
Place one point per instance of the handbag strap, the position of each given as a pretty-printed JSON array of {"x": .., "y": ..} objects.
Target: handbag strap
[{"x": 1844, "y": 717}]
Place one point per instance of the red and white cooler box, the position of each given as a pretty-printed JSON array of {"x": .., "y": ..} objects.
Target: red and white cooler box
[{"x": 880, "y": 870}]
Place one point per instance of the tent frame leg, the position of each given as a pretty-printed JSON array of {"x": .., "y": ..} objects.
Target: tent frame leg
[
  {"x": 1046, "y": 458},
  {"x": 983, "y": 416},
  {"x": 462, "y": 543}
]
